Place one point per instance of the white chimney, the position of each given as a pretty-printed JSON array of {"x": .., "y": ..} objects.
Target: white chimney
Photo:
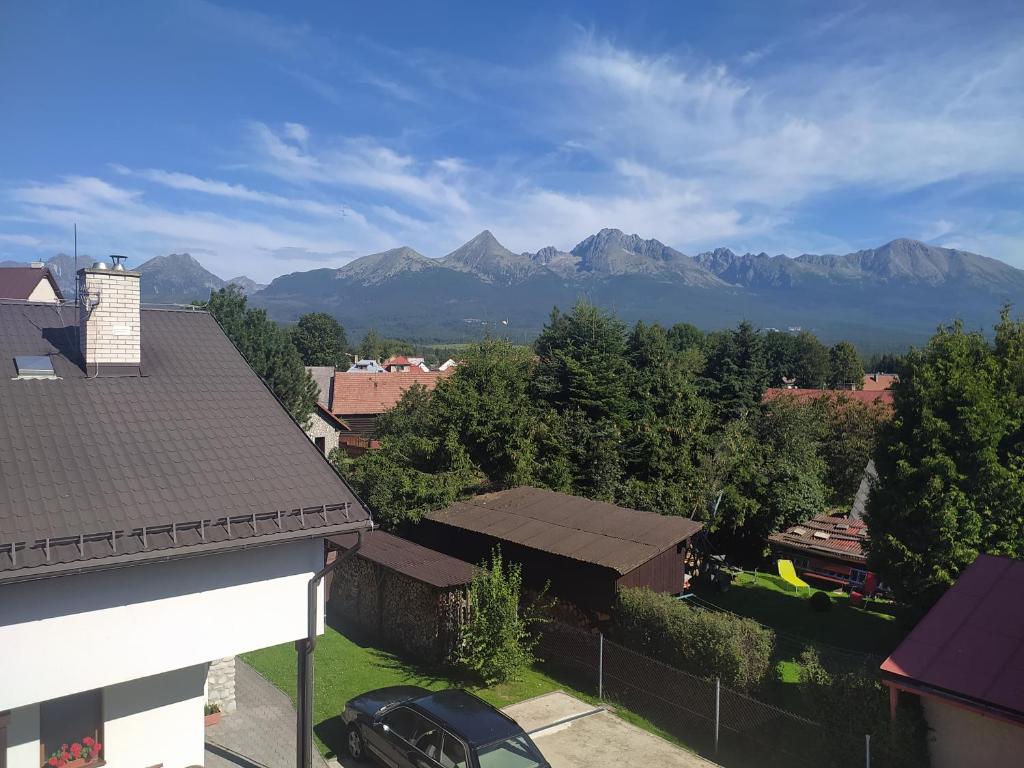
[{"x": 109, "y": 327}]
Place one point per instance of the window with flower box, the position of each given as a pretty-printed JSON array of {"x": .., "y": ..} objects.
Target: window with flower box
[{"x": 71, "y": 730}]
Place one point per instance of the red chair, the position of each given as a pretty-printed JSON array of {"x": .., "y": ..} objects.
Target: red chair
[
  {"x": 870, "y": 584},
  {"x": 856, "y": 599}
]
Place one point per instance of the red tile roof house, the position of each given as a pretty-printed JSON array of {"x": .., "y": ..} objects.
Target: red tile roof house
[
  {"x": 825, "y": 549},
  {"x": 148, "y": 524},
  {"x": 29, "y": 283},
  {"x": 883, "y": 397},
  {"x": 965, "y": 660},
  {"x": 359, "y": 398}
]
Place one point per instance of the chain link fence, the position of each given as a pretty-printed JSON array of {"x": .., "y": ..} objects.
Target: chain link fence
[{"x": 729, "y": 727}]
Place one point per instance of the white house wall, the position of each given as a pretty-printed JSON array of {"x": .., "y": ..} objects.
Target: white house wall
[
  {"x": 43, "y": 292},
  {"x": 75, "y": 633}
]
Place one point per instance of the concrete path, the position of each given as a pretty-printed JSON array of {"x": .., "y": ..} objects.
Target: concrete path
[
  {"x": 260, "y": 733},
  {"x": 597, "y": 740}
]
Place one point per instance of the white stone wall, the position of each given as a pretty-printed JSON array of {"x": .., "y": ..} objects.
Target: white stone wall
[
  {"x": 322, "y": 427},
  {"x": 110, "y": 331},
  {"x": 220, "y": 684}
]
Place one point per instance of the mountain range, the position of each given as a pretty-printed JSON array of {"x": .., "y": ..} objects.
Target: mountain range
[{"x": 881, "y": 298}]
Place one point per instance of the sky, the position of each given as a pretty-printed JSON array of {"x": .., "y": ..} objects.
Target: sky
[{"x": 271, "y": 138}]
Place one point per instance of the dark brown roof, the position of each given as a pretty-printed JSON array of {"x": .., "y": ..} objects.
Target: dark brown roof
[
  {"x": 971, "y": 643},
  {"x": 842, "y": 538},
  {"x": 19, "y": 282},
  {"x": 582, "y": 529},
  {"x": 405, "y": 557},
  {"x": 197, "y": 437}
]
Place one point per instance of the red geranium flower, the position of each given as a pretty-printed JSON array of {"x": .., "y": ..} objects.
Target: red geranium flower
[
  {"x": 88, "y": 741},
  {"x": 76, "y": 750},
  {"x": 96, "y": 748},
  {"x": 53, "y": 762}
]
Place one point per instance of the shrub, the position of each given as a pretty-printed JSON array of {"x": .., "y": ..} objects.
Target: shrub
[
  {"x": 496, "y": 642},
  {"x": 704, "y": 643},
  {"x": 849, "y": 700},
  {"x": 820, "y": 602}
]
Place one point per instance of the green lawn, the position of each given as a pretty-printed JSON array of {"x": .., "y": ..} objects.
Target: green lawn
[
  {"x": 874, "y": 630},
  {"x": 347, "y": 665}
]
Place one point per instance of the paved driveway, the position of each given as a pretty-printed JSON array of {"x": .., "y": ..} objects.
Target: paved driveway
[{"x": 595, "y": 739}]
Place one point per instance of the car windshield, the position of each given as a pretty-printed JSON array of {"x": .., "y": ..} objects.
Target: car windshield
[{"x": 517, "y": 752}]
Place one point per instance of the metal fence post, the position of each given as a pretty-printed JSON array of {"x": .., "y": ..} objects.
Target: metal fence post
[
  {"x": 600, "y": 665},
  {"x": 718, "y": 702},
  {"x": 867, "y": 750}
]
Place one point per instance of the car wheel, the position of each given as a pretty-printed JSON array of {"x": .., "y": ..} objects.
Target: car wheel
[{"x": 354, "y": 743}]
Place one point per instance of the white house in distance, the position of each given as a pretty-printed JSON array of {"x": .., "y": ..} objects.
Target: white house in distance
[
  {"x": 33, "y": 282},
  {"x": 159, "y": 510}
]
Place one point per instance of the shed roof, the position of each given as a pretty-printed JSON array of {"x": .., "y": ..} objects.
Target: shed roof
[
  {"x": 842, "y": 538},
  {"x": 196, "y": 449},
  {"x": 373, "y": 393},
  {"x": 582, "y": 529},
  {"x": 19, "y": 282},
  {"x": 405, "y": 557},
  {"x": 971, "y": 643}
]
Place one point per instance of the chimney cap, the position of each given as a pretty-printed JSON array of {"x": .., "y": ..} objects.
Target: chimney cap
[
  {"x": 100, "y": 265},
  {"x": 118, "y": 262},
  {"x": 37, "y": 265}
]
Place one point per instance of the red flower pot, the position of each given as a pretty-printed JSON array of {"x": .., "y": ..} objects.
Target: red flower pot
[{"x": 211, "y": 719}]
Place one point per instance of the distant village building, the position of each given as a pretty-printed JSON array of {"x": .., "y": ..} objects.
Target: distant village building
[
  {"x": 965, "y": 662},
  {"x": 30, "y": 283},
  {"x": 447, "y": 365},
  {"x": 325, "y": 429},
  {"x": 419, "y": 362},
  {"x": 366, "y": 366},
  {"x": 359, "y": 398},
  {"x": 875, "y": 382},
  {"x": 881, "y": 397},
  {"x": 398, "y": 364}
]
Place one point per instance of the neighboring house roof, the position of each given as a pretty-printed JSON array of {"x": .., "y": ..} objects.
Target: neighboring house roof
[
  {"x": 20, "y": 282},
  {"x": 405, "y": 557},
  {"x": 882, "y": 397},
  {"x": 879, "y": 381},
  {"x": 970, "y": 645},
  {"x": 824, "y": 535},
  {"x": 582, "y": 529},
  {"x": 323, "y": 375},
  {"x": 397, "y": 360},
  {"x": 336, "y": 421},
  {"x": 361, "y": 393},
  {"x": 366, "y": 366},
  {"x": 195, "y": 454}
]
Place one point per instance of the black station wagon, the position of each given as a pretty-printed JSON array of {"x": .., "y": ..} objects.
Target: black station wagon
[{"x": 410, "y": 727}]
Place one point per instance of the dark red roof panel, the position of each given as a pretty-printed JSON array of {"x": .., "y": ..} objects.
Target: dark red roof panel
[
  {"x": 582, "y": 529},
  {"x": 971, "y": 643},
  {"x": 405, "y": 557}
]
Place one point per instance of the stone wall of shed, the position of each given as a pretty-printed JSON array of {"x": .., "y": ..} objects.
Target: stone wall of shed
[
  {"x": 416, "y": 618},
  {"x": 321, "y": 427}
]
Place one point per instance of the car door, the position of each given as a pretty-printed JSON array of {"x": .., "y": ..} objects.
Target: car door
[
  {"x": 391, "y": 735},
  {"x": 453, "y": 753}
]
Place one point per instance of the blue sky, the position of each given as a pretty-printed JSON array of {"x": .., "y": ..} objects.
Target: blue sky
[{"x": 269, "y": 138}]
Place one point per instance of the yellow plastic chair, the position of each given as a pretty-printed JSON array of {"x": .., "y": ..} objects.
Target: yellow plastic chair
[{"x": 788, "y": 574}]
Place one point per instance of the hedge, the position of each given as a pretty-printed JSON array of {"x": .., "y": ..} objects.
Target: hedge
[{"x": 705, "y": 643}]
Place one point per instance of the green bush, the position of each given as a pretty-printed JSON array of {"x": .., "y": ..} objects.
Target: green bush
[
  {"x": 849, "y": 700},
  {"x": 496, "y": 641},
  {"x": 820, "y": 602},
  {"x": 704, "y": 643}
]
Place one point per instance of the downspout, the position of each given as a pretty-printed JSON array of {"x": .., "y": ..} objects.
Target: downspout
[{"x": 305, "y": 648}]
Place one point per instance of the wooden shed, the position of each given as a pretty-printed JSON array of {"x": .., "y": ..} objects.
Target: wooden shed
[
  {"x": 585, "y": 549},
  {"x": 412, "y": 597}
]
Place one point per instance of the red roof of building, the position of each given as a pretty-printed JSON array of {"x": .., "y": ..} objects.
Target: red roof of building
[
  {"x": 971, "y": 644},
  {"x": 838, "y": 537},
  {"x": 397, "y": 360},
  {"x": 19, "y": 282},
  {"x": 879, "y": 381},
  {"x": 373, "y": 393},
  {"x": 883, "y": 397}
]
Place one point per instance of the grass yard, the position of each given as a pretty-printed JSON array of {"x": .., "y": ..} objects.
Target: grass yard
[
  {"x": 874, "y": 630},
  {"x": 346, "y": 665}
]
